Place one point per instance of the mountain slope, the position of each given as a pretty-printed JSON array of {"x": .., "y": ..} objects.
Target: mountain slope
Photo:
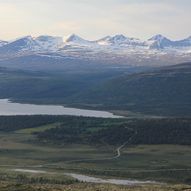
[
  {"x": 120, "y": 40},
  {"x": 117, "y": 49},
  {"x": 2, "y": 43},
  {"x": 49, "y": 43},
  {"x": 75, "y": 39},
  {"x": 23, "y": 45},
  {"x": 165, "y": 91},
  {"x": 159, "y": 42}
]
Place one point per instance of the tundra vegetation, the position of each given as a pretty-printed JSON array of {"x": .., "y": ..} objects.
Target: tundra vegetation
[{"x": 155, "y": 149}]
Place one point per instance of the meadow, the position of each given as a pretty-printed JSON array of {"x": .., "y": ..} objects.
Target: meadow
[{"x": 20, "y": 148}]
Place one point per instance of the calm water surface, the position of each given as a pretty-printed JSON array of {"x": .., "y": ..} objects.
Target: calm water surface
[{"x": 8, "y": 108}]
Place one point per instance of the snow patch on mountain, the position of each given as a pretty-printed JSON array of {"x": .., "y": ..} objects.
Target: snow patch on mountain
[
  {"x": 24, "y": 44},
  {"x": 117, "y": 47},
  {"x": 120, "y": 40},
  {"x": 2, "y": 43},
  {"x": 49, "y": 43},
  {"x": 76, "y": 40},
  {"x": 159, "y": 42}
]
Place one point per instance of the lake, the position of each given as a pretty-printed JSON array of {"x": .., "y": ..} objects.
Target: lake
[{"x": 8, "y": 108}]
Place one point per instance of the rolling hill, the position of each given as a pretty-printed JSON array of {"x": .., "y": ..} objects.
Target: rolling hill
[{"x": 163, "y": 91}]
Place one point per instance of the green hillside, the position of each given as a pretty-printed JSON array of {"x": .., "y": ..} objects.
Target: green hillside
[{"x": 165, "y": 91}]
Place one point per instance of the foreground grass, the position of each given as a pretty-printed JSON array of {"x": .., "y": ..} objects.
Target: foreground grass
[
  {"x": 19, "y": 181},
  {"x": 7, "y": 186},
  {"x": 10, "y": 175}
]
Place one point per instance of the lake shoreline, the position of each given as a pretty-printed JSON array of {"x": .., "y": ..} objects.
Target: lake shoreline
[{"x": 9, "y": 108}]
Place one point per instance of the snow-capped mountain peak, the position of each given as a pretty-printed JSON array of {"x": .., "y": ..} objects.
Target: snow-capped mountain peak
[
  {"x": 29, "y": 45},
  {"x": 75, "y": 39},
  {"x": 104, "y": 41},
  {"x": 50, "y": 42},
  {"x": 120, "y": 40},
  {"x": 22, "y": 44},
  {"x": 2, "y": 43},
  {"x": 159, "y": 42},
  {"x": 22, "y": 39},
  {"x": 158, "y": 37},
  {"x": 111, "y": 46},
  {"x": 188, "y": 39}
]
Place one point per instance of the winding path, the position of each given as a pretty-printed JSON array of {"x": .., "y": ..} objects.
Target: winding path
[
  {"x": 123, "y": 145},
  {"x": 118, "y": 153}
]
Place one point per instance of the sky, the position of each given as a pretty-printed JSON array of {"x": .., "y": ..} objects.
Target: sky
[{"x": 94, "y": 19}]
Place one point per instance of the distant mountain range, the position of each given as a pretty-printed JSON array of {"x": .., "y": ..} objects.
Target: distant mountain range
[
  {"x": 115, "y": 49},
  {"x": 117, "y": 73},
  {"x": 50, "y": 43}
]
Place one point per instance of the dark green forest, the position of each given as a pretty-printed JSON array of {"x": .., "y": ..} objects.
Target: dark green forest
[
  {"x": 134, "y": 132},
  {"x": 98, "y": 131}
]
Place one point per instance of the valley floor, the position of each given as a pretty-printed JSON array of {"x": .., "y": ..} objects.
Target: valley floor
[{"x": 20, "y": 149}]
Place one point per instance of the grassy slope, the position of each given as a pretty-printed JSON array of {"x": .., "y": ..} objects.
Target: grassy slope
[
  {"x": 51, "y": 86},
  {"x": 161, "y": 92},
  {"x": 166, "y": 91}
]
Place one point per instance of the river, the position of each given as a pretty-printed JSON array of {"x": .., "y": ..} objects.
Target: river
[{"x": 91, "y": 179}]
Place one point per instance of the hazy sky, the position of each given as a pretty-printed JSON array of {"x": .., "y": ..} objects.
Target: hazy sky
[{"x": 93, "y": 19}]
